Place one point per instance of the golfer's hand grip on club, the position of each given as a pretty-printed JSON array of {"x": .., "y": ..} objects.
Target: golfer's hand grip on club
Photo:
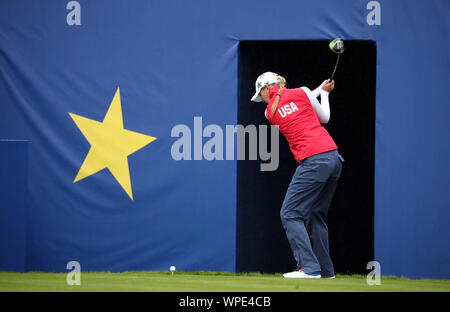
[{"x": 328, "y": 86}]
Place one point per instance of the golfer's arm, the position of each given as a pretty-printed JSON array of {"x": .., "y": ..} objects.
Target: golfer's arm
[{"x": 322, "y": 109}]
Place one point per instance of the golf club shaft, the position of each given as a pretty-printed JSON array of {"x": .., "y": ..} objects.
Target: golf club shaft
[{"x": 335, "y": 66}]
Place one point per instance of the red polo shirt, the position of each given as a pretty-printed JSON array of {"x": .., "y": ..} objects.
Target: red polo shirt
[{"x": 298, "y": 122}]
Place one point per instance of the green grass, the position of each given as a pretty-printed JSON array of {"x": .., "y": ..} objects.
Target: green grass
[{"x": 207, "y": 282}]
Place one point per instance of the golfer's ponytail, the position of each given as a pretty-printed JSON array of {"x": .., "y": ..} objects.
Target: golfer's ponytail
[{"x": 282, "y": 83}]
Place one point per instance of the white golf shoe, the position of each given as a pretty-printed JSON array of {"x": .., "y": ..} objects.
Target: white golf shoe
[{"x": 301, "y": 274}]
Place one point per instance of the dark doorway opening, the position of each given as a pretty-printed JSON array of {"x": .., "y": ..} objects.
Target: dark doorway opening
[{"x": 261, "y": 241}]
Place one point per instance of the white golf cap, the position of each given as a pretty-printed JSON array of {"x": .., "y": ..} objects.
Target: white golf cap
[{"x": 263, "y": 80}]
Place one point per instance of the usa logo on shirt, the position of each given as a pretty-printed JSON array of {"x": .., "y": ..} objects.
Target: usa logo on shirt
[{"x": 287, "y": 109}]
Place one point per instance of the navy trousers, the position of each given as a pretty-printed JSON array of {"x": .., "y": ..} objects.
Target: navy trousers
[{"x": 305, "y": 209}]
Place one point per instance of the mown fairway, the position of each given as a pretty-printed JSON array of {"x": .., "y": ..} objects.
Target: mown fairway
[{"x": 206, "y": 282}]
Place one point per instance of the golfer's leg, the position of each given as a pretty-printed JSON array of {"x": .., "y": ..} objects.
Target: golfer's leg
[
  {"x": 318, "y": 226},
  {"x": 292, "y": 243},
  {"x": 294, "y": 213},
  {"x": 319, "y": 231},
  {"x": 301, "y": 245}
]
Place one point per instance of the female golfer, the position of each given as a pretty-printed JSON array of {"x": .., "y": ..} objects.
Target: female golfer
[{"x": 298, "y": 115}]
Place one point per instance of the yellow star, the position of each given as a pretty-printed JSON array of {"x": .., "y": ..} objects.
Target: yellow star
[{"x": 110, "y": 145}]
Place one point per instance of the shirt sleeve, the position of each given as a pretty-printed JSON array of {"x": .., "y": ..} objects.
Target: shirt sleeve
[
  {"x": 316, "y": 92},
  {"x": 322, "y": 109}
]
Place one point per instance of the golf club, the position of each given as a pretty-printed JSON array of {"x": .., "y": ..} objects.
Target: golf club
[{"x": 336, "y": 46}]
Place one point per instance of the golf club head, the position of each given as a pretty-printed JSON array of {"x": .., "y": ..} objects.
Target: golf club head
[{"x": 337, "y": 46}]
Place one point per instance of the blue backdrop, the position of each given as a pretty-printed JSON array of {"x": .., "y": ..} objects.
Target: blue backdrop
[{"x": 174, "y": 60}]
